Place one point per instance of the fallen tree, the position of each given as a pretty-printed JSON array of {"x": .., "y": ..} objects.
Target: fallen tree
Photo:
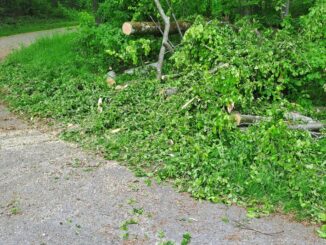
[{"x": 134, "y": 28}]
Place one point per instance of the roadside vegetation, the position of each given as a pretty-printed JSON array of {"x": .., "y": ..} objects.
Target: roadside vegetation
[
  {"x": 36, "y": 15},
  {"x": 24, "y": 25},
  {"x": 254, "y": 60}
]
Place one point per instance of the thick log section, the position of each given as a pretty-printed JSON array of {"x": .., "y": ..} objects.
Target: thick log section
[{"x": 133, "y": 28}]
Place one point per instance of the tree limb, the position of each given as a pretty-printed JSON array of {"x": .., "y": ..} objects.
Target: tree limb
[
  {"x": 175, "y": 19},
  {"x": 166, "y": 20}
]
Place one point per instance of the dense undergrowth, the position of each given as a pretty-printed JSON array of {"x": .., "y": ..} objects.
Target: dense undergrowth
[{"x": 189, "y": 137}]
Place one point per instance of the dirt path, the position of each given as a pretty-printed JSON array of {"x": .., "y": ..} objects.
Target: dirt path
[{"x": 52, "y": 192}]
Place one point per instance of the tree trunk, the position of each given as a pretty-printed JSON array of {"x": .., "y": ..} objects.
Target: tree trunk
[
  {"x": 132, "y": 28},
  {"x": 54, "y": 3},
  {"x": 286, "y": 9},
  {"x": 95, "y": 8},
  {"x": 165, "y": 40},
  {"x": 249, "y": 119}
]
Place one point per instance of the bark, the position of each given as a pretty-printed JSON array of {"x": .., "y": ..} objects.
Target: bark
[{"x": 133, "y": 28}]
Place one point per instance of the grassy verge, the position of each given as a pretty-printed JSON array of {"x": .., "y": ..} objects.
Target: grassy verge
[
  {"x": 265, "y": 168},
  {"x": 22, "y": 25}
]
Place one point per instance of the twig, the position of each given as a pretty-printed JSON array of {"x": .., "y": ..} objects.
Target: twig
[
  {"x": 170, "y": 46},
  {"x": 209, "y": 48},
  {"x": 157, "y": 25},
  {"x": 188, "y": 103},
  {"x": 246, "y": 227}
]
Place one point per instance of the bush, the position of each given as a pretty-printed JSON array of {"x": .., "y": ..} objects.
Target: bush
[
  {"x": 106, "y": 46},
  {"x": 253, "y": 64}
]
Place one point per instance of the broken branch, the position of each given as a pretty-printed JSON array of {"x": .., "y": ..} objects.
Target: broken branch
[{"x": 166, "y": 20}]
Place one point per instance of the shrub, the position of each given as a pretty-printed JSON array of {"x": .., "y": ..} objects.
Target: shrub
[{"x": 106, "y": 46}]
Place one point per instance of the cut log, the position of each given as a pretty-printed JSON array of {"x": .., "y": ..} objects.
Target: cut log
[
  {"x": 249, "y": 119},
  {"x": 311, "y": 125},
  {"x": 295, "y": 116},
  {"x": 132, "y": 28},
  {"x": 314, "y": 127}
]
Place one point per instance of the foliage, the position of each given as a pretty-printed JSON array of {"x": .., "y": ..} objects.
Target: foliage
[
  {"x": 30, "y": 24},
  {"x": 19, "y": 16},
  {"x": 315, "y": 23},
  {"x": 107, "y": 47},
  {"x": 252, "y": 65},
  {"x": 322, "y": 231},
  {"x": 54, "y": 80},
  {"x": 106, "y": 44},
  {"x": 118, "y": 11},
  {"x": 186, "y": 238},
  {"x": 269, "y": 12},
  {"x": 39, "y": 8}
]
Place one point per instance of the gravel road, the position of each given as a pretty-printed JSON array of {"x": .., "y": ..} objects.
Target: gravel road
[{"x": 52, "y": 192}]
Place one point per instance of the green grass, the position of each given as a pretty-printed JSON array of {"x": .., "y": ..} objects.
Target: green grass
[
  {"x": 265, "y": 168},
  {"x": 24, "y": 25}
]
